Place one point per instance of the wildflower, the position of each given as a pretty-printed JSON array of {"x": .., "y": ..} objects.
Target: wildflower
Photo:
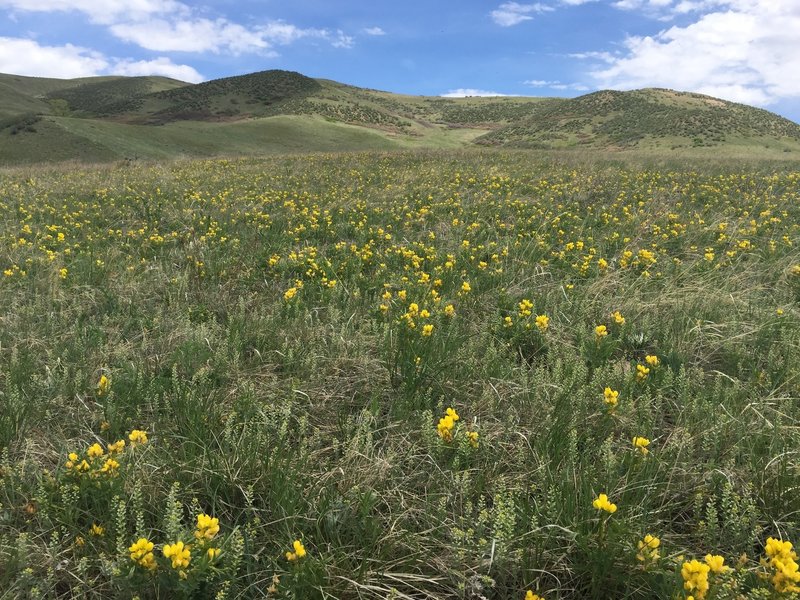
[
  {"x": 602, "y": 503},
  {"x": 542, "y": 322},
  {"x": 449, "y": 310},
  {"x": 110, "y": 467},
  {"x": 618, "y": 318},
  {"x": 695, "y": 578},
  {"x": 782, "y": 560},
  {"x": 95, "y": 451},
  {"x": 96, "y": 530},
  {"x": 137, "y": 437},
  {"x": 466, "y": 287},
  {"x": 600, "y": 332},
  {"x": 641, "y": 444},
  {"x": 116, "y": 447},
  {"x": 451, "y": 412},
  {"x": 529, "y": 595},
  {"x": 290, "y": 293},
  {"x": 610, "y": 397},
  {"x": 641, "y": 372},
  {"x": 213, "y": 553},
  {"x": 716, "y": 563},
  {"x": 508, "y": 322},
  {"x": 472, "y": 438},
  {"x": 299, "y": 551},
  {"x": 79, "y": 541},
  {"x": 648, "y": 548},
  {"x": 179, "y": 553},
  {"x": 142, "y": 553},
  {"x": 62, "y": 273},
  {"x": 651, "y": 360},
  {"x": 207, "y": 527},
  {"x": 525, "y": 308},
  {"x": 401, "y": 294},
  {"x": 103, "y": 386},
  {"x": 413, "y": 309},
  {"x": 427, "y": 330}
]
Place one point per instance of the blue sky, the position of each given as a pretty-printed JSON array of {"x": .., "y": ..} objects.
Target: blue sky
[{"x": 741, "y": 50}]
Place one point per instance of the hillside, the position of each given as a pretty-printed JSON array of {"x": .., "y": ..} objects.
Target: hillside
[
  {"x": 110, "y": 118},
  {"x": 645, "y": 118}
]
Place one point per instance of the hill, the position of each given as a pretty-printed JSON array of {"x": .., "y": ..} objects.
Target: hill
[
  {"x": 648, "y": 118},
  {"x": 109, "y": 118}
]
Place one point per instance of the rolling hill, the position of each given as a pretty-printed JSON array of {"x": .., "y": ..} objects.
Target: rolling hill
[{"x": 110, "y": 118}]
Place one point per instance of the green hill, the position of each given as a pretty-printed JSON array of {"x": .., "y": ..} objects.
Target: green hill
[
  {"x": 108, "y": 118},
  {"x": 648, "y": 118}
]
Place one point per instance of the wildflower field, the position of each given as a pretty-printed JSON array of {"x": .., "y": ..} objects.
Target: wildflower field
[{"x": 423, "y": 375}]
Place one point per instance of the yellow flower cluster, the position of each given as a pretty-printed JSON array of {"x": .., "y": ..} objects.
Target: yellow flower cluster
[
  {"x": 782, "y": 561},
  {"x": 648, "y": 549},
  {"x": 695, "y": 578},
  {"x": 602, "y": 503},
  {"x": 610, "y": 397},
  {"x": 142, "y": 554},
  {"x": 446, "y": 424},
  {"x": 207, "y": 527},
  {"x": 180, "y": 554},
  {"x": 298, "y": 553},
  {"x": 640, "y": 444}
]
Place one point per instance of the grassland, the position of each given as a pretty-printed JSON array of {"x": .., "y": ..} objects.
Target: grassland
[
  {"x": 114, "y": 118},
  {"x": 283, "y": 344}
]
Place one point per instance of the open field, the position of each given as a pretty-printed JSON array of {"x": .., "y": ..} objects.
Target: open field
[{"x": 438, "y": 374}]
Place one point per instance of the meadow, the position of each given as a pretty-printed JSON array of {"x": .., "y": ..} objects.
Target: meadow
[{"x": 462, "y": 374}]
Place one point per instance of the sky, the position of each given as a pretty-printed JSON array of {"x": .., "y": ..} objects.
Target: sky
[{"x": 741, "y": 50}]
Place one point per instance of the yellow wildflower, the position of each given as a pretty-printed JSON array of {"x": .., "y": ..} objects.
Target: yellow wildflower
[
  {"x": 472, "y": 438},
  {"x": 103, "y": 386},
  {"x": 648, "y": 548},
  {"x": 449, "y": 310},
  {"x": 207, "y": 527},
  {"x": 290, "y": 293},
  {"x": 651, "y": 360},
  {"x": 641, "y": 372},
  {"x": 96, "y": 530},
  {"x": 716, "y": 563},
  {"x": 600, "y": 332},
  {"x": 529, "y": 595},
  {"x": 116, "y": 447},
  {"x": 95, "y": 451},
  {"x": 542, "y": 322},
  {"x": 427, "y": 330},
  {"x": 641, "y": 444},
  {"x": 299, "y": 551},
  {"x": 695, "y": 578},
  {"x": 179, "y": 553},
  {"x": 610, "y": 397},
  {"x": 142, "y": 553},
  {"x": 602, "y": 503},
  {"x": 137, "y": 437},
  {"x": 618, "y": 318}
]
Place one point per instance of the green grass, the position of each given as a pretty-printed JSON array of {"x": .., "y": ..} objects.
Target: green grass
[{"x": 263, "y": 320}]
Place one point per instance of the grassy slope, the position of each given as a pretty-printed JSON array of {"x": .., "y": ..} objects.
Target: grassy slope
[
  {"x": 649, "y": 119},
  {"x": 311, "y": 418},
  {"x": 274, "y": 111}
]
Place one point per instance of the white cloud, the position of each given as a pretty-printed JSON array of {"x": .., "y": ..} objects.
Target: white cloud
[
  {"x": 555, "y": 85},
  {"x": 159, "y": 66},
  {"x": 104, "y": 12},
  {"x": 27, "y": 57},
  {"x": 746, "y": 51},
  {"x": 513, "y": 13},
  {"x": 466, "y": 92},
  {"x": 374, "y": 31},
  {"x": 199, "y": 35},
  {"x": 172, "y": 26}
]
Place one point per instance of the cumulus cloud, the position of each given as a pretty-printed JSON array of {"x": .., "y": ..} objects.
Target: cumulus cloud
[
  {"x": 172, "y": 26},
  {"x": 374, "y": 31},
  {"x": 746, "y": 51},
  {"x": 159, "y": 66},
  {"x": 513, "y": 13},
  {"x": 27, "y": 57},
  {"x": 555, "y": 85},
  {"x": 466, "y": 92}
]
